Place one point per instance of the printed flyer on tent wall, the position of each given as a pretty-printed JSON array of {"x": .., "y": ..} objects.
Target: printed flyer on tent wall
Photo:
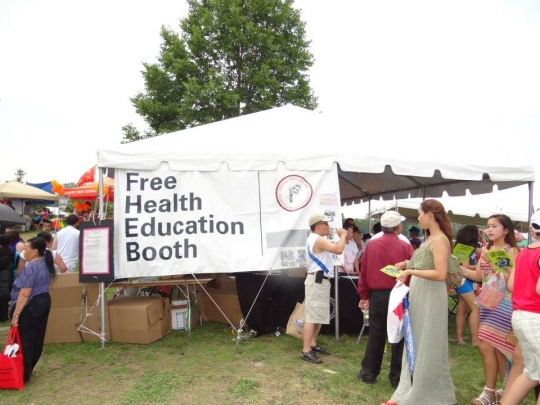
[{"x": 169, "y": 222}]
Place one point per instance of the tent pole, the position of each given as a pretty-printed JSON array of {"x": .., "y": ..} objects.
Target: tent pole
[
  {"x": 530, "y": 211},
  {"x": 101, "y": 284},
  {"x": 369, "y": 217},
  {"x": 336, "y": 297}
]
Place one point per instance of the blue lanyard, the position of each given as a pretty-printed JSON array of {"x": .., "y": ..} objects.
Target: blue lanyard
[{"x": 317, "y": 261}]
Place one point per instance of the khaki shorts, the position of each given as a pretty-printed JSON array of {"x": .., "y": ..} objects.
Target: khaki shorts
[{"x": 317, "y": 300}]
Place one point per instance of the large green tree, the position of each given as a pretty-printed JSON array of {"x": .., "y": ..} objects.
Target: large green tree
[{"x": 233, "y": 57}]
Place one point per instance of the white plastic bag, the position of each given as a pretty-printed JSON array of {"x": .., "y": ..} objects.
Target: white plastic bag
[
  {"x": 394, "y": 321},
  {"x": 493, "y": 292}
]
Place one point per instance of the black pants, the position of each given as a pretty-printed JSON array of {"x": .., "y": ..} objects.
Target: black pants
[
  {"x": 371, "y": 365},
  {"x": 32, "y": 327}
]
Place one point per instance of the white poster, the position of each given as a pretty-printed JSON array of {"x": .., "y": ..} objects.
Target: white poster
[{"x": 169, "y": 222}]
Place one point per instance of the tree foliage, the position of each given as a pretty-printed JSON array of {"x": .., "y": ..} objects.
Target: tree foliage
[
  {"x": 233, "y": 57},
  {"x": 19, "y": 175}
]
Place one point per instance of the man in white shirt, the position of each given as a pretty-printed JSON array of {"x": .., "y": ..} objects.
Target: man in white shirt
[
  {"x": 350, "y": 260},
  {"x": 320, "y": 270},
  {"x": 67, "y": 243}
]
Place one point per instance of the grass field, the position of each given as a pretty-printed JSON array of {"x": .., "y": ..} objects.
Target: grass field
[{"x": 207, "y": 369}]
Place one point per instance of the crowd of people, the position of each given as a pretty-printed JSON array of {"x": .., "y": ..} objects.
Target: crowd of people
[
  {"x": 507, "y": 335},
  {"x": 26, "y": 270}
]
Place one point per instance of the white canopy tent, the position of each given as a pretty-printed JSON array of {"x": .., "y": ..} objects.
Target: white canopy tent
[
  {"x": 464, "y": 210},
  {"x": 303, "y": 140}
]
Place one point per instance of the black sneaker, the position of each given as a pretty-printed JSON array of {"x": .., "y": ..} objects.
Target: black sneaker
[
  {"x": 311, "y": 357},
  {"x": 320, "y": 349}
]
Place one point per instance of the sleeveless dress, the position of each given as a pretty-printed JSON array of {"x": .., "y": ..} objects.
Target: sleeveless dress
[
  {"x": 496, "y": 324},
  {"x": 432, "y": 383}
]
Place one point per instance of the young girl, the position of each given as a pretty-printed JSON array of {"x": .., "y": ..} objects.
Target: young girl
[
  {"x": 495, "y": 324},
  {"x": 468, "y": 236},
  {"x": 525, "y": 286}
]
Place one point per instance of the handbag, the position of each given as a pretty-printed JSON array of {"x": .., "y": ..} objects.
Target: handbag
[
  {"x": 511, "y": 338},
  {"x": 11, "y": 363},
  {"x": 295, "y": 326},
  {"x": 492, "y": 293},
  {"x": 454, "y": 276}
]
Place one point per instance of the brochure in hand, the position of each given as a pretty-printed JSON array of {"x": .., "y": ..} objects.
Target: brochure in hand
[
  {"x": 391, "y": 271},
  {"x": 500, "y": 259},
  {"x": 462, "y": 252}
]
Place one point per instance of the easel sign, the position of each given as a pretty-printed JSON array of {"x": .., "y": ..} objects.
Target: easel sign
[
  {"x": 96, "y": 251},
  {"x": 62, "y": 203}
]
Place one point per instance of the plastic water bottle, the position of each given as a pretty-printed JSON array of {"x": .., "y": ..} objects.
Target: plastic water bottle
[
  {"x": 366, "y": 316},
  {"x": 300, "y": 323}
]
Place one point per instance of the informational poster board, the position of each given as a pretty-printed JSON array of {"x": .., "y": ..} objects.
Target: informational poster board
[
  {"x": 169, "y": 222},
  {"x": 96, "y": 251}
]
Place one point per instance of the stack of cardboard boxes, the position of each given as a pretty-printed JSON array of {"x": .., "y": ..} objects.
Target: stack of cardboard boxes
[
  {"x": 128, "y": 319},
  {"x": 68, "y": 310}
]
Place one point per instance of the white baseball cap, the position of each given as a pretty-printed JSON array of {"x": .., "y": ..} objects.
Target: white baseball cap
[{"x": 391, "y": 219}]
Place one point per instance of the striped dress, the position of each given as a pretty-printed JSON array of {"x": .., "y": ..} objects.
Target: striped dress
[{"x": 496, "y": 324}]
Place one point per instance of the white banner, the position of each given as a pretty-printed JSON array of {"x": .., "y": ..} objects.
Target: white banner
[{"x": 169, "y": 222}]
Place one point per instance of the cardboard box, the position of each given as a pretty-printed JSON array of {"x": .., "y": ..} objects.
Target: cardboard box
[
  {"x": 66, "y": 302},
  {"x": 223, "y": 282},
  {"x": 181, "y": 318},
  {"x": 66, "y": 291},
  {"x": 227, "y": 302},
  {"x": 139, "y": 319},
  {"x": 62, "y": 325}
]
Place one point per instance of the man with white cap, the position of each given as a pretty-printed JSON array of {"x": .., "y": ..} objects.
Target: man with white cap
[
  {"x": 374, "y": 288},
  {"x": 320, "y": 270}
]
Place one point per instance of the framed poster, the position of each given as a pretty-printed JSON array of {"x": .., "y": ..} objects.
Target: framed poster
[{"x": 96, "y": 260}]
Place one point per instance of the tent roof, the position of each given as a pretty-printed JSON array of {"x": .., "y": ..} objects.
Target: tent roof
[
  {"x": 304, "y": 140},
  {"x": 14, "y": 189},
  {"x": 474, "y": 210}
]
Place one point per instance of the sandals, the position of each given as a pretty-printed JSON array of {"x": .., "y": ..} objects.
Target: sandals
[
  {"x": 311, "y": 357},
  {"x": 487, "y": 397},
  {"x": 320, "y": 349}
]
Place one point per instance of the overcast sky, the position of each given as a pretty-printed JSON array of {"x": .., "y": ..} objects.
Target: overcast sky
[{"x": 427, "y": 70}]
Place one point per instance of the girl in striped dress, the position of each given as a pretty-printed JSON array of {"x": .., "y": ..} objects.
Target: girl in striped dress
[{"x": 495, "y": 324}]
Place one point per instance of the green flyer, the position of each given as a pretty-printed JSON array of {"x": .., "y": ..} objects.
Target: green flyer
[
  {"x": 500, "y": 259},
  {"x": 391, "y": 271},
  {"x": 462, "y": 252}
]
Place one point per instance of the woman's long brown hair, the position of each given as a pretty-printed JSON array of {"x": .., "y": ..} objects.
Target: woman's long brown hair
[{"x": 442, "y": 219}]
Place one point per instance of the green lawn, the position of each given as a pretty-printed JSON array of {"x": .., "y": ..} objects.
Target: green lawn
[{"x": 177, "y": 369}]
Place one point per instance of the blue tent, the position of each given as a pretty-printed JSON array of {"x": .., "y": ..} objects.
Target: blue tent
[{"x": 42, "y": 186}]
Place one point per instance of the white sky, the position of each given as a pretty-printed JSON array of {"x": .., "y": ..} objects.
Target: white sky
[{"x": 429, "y": 71}]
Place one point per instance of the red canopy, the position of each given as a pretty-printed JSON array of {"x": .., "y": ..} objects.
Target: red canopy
[{"x": 89, "y": 191}]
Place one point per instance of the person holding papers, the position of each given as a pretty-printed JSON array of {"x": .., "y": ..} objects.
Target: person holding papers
[
  {"x": 374, "y": 287},
  {"x": 320, "y": 270},
  {"x": 496, "y": 324},
  {"x": 431, "y": 382},
  {"x": 467, "y": 239}
]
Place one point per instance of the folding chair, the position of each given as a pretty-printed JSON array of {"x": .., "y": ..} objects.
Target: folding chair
[{"x": 452, "y": 305}]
